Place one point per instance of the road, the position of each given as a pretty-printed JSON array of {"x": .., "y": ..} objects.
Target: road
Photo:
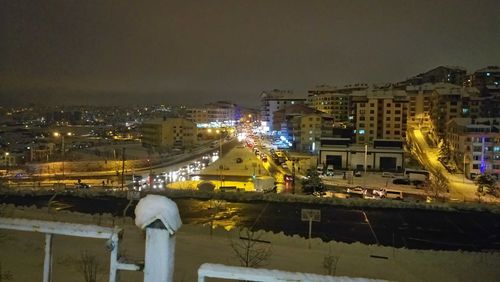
[
  {"x": 460, "y": 188},
  {"x": 414, "y": 229}
]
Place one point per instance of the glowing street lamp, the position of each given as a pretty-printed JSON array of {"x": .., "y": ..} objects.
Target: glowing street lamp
[{"x": 57, "y": 134}]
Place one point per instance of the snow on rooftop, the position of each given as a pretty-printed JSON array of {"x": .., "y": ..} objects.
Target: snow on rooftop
[{"x": 153, "y": 207}]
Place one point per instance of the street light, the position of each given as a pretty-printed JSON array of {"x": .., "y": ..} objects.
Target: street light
[{"x": 57, "y": 134}]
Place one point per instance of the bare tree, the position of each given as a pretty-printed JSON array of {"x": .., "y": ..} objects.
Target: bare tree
[
  {"x": 251, "y": 251},
  {"x": 215, "y": 206},
  {"x": 5, "y": 275},
  {"x": 439, "y": 185},
  {"x": 330, "y": 263},
  {"x": 89, "y": 266}
]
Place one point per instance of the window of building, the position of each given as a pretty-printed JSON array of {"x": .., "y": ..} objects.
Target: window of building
[
  {"x": 388, "y": 119},
  {"x": 388, "y": 132},
  {"x": 398, "y": 105},
  {"x": 388, "y": 112},
  {"x": 398, "y": 112},
  {"x": 397, "y": 119},
  {"x": 372, "y": 112},
  {"x": 388, "y": 104},
  {"x": 362, "y": 105},
  {"x": 372, "y": 105},
  {"x": 475, "y": 166},
  {"x": 372, "y": 118},
  {"x": 397, "y": 132}
]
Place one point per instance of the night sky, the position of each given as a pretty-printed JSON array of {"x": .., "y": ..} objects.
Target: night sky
[{"x": 192, "y": 52}]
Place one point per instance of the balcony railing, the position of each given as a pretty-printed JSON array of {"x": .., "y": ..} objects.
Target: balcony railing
[{"x": 161, "y": 225}]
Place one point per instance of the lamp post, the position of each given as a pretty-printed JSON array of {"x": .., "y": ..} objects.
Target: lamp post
[
  {"x": 57, "y": 134},
  {"x": 221, "y": 166},
  {"x": 463, "y": 178},
  {"x": 366, "y": 156}
]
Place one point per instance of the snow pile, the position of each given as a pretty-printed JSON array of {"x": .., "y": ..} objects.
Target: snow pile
[{"x": 153, "y": 207}]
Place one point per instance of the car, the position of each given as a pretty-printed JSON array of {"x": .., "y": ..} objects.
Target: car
[
  {"x": 387, "y": 174},
  {"x": 263, "y": 157},
  {"x": 356, "y": 190},
  {"x": 403, "y": 181},
  {"x": 379, "y": 192},
  {"x": 320, "y": 169},
  {"x": 329, "y": 170},
  {"x": 357, "y": 173},
  {"x": 283, "y": 165},
  {"x": 393, "y": 194},
  {"x": 239, "y": 160},
  {"x": 288, "y": 178},
  {"x": 82, "y": 186}
]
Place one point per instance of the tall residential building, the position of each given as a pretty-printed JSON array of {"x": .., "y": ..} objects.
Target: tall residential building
[
  {"x": 214, "y": 112},
  {"x": 475, "y": 145},
  {"x": 420, "y": 101},
  {"x": 332, "y": 100},
  {"x": 308, "y": 129},
  {"x": 168, "y": 133},
  {"x": 452, "y": 102},
  {"x": 380, "y": 114},
  {"x": 276, "y": 100},
  {"x": 487, "y": 80},
  {"x": 446, "y": 74}
]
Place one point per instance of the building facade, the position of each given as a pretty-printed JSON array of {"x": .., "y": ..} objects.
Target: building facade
[
  {"x": 382, "y": 155},
  {"x": 475, "y": 143},
  {"x": 452, "y": 102},
  {"x": 307, "y": 130},
  {"x": 380, "y": 114},
  {"x": 214, "y": 112},
  {"x": 332, "y": 100},
  {"x": 447, "y": 74},
  {"x": 274, "y": 101},
  {"x": 168, "y": 133}
]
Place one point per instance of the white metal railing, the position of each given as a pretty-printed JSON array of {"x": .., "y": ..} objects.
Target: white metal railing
[
  {"x": 160, "y": 217},
  {"x": 51, "y": 228},
  {"x": 209, "y": 270}
]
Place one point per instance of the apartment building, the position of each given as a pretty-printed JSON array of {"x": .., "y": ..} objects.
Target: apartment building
[
  {"x": 168, "y": 133},
  {"x": 380, "y": 114},
  {"x": 306, "y": 130},
  {"x": 276, "y": 100},
  {"x": 475, "y": 143},
  {"x": 213, "y": 112},
  {"x": 446, "y": 74},
  {"x": 452, "y": 102},
  {"x": 333, "y": 100}
]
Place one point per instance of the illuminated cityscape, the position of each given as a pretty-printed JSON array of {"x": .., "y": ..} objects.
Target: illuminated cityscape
[{"x": 249, "y": 145}]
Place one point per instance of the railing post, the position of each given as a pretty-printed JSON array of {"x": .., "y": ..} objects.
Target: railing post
[
  {"x": 47, "y": 262},
  {"x": 113, "y": 262},
  {"x": 160, "y": 217}
]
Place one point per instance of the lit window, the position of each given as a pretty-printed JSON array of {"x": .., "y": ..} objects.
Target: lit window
[{"x": 361, "y": 131}]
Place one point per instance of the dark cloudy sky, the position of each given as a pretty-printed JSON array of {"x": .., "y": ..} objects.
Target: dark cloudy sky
[{"x": 198, "y": 51}]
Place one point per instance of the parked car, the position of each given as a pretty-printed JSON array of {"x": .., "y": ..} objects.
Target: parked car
[
  {"x": 357, "y": 173},
  {"x": 329, "y": 170},
  {"x": 283, "y": 165},
  {"x": 320, "y": 169},
  {"x": 82, "y": 186},
  {"x": 403, "y": 181},
  {"x": 394, "y": 194},
  {"x": 387, "y": 174},
  {"x": 356, "y": 190}
]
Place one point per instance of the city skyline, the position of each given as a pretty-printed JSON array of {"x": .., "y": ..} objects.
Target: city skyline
[{"x": 193, "y": 53}]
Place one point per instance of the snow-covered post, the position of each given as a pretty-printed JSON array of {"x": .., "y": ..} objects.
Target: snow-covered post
[{"x": 160, "y": 217}]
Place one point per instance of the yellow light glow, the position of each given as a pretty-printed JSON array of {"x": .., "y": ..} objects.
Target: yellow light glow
[
  {"x": 56, "y": 134},
  {"x": 209, "y": 130}
]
